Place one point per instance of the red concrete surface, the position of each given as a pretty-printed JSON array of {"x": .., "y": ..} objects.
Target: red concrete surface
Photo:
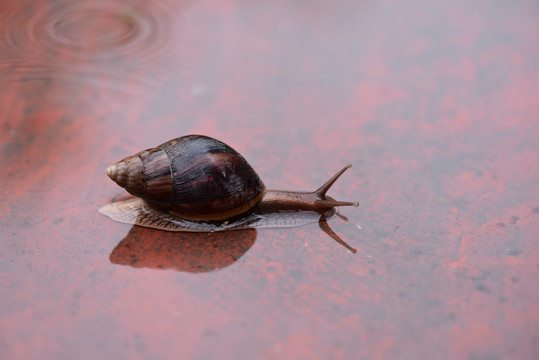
[{"x": 436, "y": 105}]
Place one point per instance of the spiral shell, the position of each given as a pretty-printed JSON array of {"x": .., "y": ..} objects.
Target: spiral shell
[{"x": 194, "y": 177}]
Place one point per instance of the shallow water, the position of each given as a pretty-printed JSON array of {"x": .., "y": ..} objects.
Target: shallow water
[
  {"x": 435, "y": 105},
  {"x": 115, "y": 42}
]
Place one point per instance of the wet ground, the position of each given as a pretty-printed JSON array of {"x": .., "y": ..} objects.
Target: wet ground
[{"x": 435, "y": 104}]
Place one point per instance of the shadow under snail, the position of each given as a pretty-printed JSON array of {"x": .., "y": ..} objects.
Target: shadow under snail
[{"x": 199, "y": 184}]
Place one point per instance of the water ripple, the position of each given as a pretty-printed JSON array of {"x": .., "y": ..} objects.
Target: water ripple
[{"x": 114, "y": 39}]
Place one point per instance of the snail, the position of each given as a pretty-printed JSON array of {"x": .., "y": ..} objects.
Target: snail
[{"x": 200, "y": 184}]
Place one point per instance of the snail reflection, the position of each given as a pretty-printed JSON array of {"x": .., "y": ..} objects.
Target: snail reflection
[
  {"x": 196, "y": 183},
  {"x": 189, "y": 252},
  {"x": 195, "y": 252}
]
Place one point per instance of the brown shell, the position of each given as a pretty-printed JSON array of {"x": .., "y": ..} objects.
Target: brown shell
[{"x": 195, "y": 177}]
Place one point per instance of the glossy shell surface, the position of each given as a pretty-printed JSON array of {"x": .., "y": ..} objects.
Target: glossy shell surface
[{"x": 194, "y": 177}]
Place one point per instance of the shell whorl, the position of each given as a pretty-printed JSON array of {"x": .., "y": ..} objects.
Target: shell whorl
[
  {"x": 129, "y": 174},
  {"x": 146, "y": 175},
  {"x": 194, "y": 177}
]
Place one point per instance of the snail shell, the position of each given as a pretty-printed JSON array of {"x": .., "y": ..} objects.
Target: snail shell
[{"x": 194, "y": 177}]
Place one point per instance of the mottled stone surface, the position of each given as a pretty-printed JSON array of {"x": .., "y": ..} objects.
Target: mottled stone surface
[{"x": 436, "y": 105}]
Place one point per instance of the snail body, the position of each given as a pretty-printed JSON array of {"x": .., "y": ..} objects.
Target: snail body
[{"x": 197, "y": 183}]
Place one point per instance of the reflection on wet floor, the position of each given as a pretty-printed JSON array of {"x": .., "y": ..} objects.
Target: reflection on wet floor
[{"x": 190, "y": 252}]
